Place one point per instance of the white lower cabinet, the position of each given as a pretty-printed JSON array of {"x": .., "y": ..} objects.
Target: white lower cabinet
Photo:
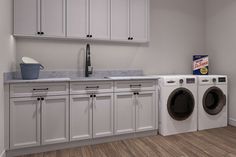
[
  {"x": 103, "y": 115},
  {"x": 91, "y": 116},
  {"x": 93, "y": 110},
  {"x": 124, "y": 113},
  {"x": 81, "y": 117},
  {"x": 55, "y": 119},
  {"x": 24, "y": 122},
  {"x": 135, "y": 106},
  {"x": 145, "y": 111},
  {"x": 134, "y": 112},
  {"x": 36, "y": 121}
]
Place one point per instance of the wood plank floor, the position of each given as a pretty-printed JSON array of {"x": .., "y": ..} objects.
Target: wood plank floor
[{"x": 210, "y": 143}]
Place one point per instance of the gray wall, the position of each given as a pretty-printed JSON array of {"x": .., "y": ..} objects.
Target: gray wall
[
  {"x": 177, "y": 32},
  {"x": 221, "y": 44},
  {"x": 7, "y": 58}
]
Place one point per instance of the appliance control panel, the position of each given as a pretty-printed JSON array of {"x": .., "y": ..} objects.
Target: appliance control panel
[
  {"x": 190, "y": 80},
  {"x": 221, "y": 79}
]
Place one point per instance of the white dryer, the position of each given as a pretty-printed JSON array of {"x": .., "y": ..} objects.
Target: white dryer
[
  {"x": 212, "y": 102},
  {"x": 177, "y": 104}
]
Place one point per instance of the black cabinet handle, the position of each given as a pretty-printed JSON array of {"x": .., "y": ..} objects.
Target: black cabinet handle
[
  {"x": 42, "y": 99},
  {"x": 132, "y": 38},
  {"x": 87, "y": 36},
  {"x": 90, "y": 36},
  {"x": 38, "y": 33},
  {"x": 138, "y": 85},
  {"x": 92, "y": 87},
  {"x": 42, "y": 33},
  {"x": 40, "y": 89},
  {"x": 129, "y": 38},
  {"x": 38, "y": 99}
]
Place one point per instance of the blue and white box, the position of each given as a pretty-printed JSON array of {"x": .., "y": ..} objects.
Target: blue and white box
[{"x": 200, "y": 65}]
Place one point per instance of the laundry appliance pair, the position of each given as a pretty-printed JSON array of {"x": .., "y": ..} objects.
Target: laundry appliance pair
[{"x": 189, "y": 103}]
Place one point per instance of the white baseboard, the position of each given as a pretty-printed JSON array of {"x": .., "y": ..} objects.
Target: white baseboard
[
  {"x": 3, "y": 154},
  {"x": 232, "y": 122}
]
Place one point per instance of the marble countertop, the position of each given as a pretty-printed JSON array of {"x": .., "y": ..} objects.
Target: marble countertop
[{"x": 66, "y": 76}]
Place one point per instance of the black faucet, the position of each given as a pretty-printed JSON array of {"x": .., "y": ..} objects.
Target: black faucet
[{"x": 88, "y": 67}]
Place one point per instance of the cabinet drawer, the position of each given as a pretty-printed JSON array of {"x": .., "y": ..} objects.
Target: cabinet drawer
[
  {"x": 91, "y": 87},
  {"x": 38, "y": 89},
  {"x": 139, "y": 85}
]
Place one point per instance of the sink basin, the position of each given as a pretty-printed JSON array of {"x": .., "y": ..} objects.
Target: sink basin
[{"x": 132, "y": 77}]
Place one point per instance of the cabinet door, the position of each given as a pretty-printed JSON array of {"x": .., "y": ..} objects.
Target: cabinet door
[
  {"x": 103, "y": 115},
  {"x": 120, "y": 20},
  {"x": 145, "y": 111},
  {"x": 124, "y": 113},
  {"x": 55, "y": 119},
  {"x": 24, "y": 122},
  {"x": 80, "y": 117},
  {"x": 100, "y": 19},
  {"x": 77, "y": 18},
  {"x": 53, "y": 18},
  {"x": 139, "y": 19},
  {"x": 26, "y": 17}
]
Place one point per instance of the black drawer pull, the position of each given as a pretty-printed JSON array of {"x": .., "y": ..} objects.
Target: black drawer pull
[
  {"x": 40, "y": 89},
  {"x": 170, "y": 81},
  {"x": 92, "y": 87},
  {"x": 138, "y": 85}
]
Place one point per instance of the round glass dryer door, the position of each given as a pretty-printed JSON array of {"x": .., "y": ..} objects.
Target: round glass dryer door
[
  {"x": 180, "y": 104},
  {"x": 213, "y": 100}
]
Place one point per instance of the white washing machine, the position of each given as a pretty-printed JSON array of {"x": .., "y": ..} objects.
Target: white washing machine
[
  {"x": 212, "y": 102},
  {"x": 177, "y": 104}
]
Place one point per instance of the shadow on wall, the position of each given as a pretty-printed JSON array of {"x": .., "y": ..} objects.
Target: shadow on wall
[{"x": 81, "y": 62}]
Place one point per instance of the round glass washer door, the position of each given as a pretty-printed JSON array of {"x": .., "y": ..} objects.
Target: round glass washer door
[
  {"x": 180, "y": 104},
  {"x": 213, "y": 100}
]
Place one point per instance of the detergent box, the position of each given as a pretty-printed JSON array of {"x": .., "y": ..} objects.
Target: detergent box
[{"x": 200, "y": 64}]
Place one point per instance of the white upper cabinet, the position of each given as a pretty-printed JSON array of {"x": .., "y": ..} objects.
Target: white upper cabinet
[
  {"x": 39, "y": 18},
  {"x": 139, "y": 20},
  {"x": 120, "y": 20},
  {"x": 100, "y": 19},
  {"x": 77, "y": 18},
  {"x": 116, "y": 20},
  {"x": 130, "y": 20},
  {"x": 26, "y": 17},
  {"x": 53, "y": 18},
  {"x": 88, "y": 19}
]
